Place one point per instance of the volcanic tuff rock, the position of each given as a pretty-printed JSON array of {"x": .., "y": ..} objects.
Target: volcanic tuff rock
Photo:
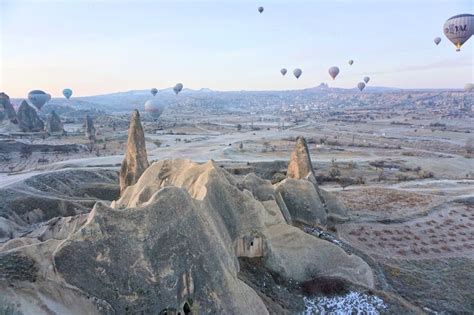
[
  {"x": 302, "y": 201},
  {"x": 300, "y": 162},
  {"x": 28, "y": 118},
  {"x": 136, "y": 160},
  {"x": 89, "y": 128},
  {"x": 7, "y": 108},
  {"x": 170, "y": 243},
  {"x": 313, "y": 204},
  {"x": 44, "y": 197},
  {"x": 54, "y": 124}
]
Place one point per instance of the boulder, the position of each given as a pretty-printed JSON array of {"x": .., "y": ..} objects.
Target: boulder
[
  {"x": 136, "y": 159},
  {"x": 302, "y": 200},
  {"x": 53, "y": 123},
  {"x": 297, "y": 255},
  {"x": 6, "y": 109},
  {"x": 28, "y": 118}
]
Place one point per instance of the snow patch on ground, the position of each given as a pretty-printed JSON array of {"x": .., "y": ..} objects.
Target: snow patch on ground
[{"x": 351, "y": 303}]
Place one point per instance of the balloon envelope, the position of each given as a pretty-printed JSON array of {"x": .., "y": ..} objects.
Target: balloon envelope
[
  {"x": 366, "y": 79},
  {"x": 297, "y": 73},
  {"x": 260, "y": 9},
  {"x": 283, "y": 71},
  {"x": 154, "y": 107},
  {"x": 153, "y": 91},
  {"x": 437, "y": 40},
  {"x": 351, "y": 62},
  {"x": 67, "y": 93},
  {"x": 38, "y": 98},
  {"x": 177, "y": 88},
  {"x": 333, "y": 72},
  {"x": 459, "y": 28},
  {"x": 469, "y": 87},
  {"x": 361, "y": 86}
]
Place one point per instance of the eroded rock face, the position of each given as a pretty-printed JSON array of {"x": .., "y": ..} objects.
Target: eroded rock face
[
  {"x": 28, "y": 118},
  {"x": 297, "y": 255},
  {"x": 300, "y": 162},
  {"x": 303, "y": 201},
  {"x": 6, "y": 109},
  {"x": 171, "y": 242},
  {"x": 172, "y": 258},
  {"x": 54, "y": 124},
  {"x": 89, "y": 128},
  {"x": 136, "y": 159},
  {"x": 307, "y": 204}
]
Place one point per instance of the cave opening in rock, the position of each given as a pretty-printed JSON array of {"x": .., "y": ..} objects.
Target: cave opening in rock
[{"x": 186, "y": 309}]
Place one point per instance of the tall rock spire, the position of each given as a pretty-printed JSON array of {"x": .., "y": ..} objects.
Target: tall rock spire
[
  {"x": 136, "y": 160},
  {"x": 300, "y": 162}
]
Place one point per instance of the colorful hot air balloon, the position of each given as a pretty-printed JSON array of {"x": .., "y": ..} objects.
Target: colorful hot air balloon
[
  {"x": 437, "y": 40},
  {"x": 361, "y": 86},
  {"x": 333, "y": 72},
  {"x": 67, "y": 93},
  {"x": 177, "y": 88},
  {"x": 38, "y": 98},
  {"x": 283, "y": 71},
  {"x": 297, "y": 73},
  {"x": 153, "y": 91},
  {"x": 366, "y": 80},
  {"x": 469, "y": 87},
  {"x": 260, "y": 9},
  {"x": 351, "y": 62},
  {"x": 154, "y": 107},
  {"x": 459, "y": 28}
]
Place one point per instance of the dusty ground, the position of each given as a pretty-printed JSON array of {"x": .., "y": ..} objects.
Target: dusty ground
[{"x": 407, "y": 198}]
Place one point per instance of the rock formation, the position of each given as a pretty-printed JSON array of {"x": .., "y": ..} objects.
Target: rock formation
[
  {"x": 136, "y": 159},
  {"x": 54, "y": 124},
  {"x": 171, "y": 244},
  {"x": 300, "y": 165},
  {"x": 305, "y": 201},
  {"x": 7, "y": 108},
  {"x": 302, "y": 201},
  {"x": 89, "y": 128},
  {"x": 28, "y": 118}
]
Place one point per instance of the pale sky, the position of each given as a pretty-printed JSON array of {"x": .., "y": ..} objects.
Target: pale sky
[{"x": 97, "y": 47}]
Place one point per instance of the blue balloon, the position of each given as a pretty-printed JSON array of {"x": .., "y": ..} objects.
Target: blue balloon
[{"x": 67, "y": 93}]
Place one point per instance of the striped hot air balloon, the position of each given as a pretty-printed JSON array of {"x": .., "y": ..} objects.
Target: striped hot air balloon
[{"x": 459, "y": 28}]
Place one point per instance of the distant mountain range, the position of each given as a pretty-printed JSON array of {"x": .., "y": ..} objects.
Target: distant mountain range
[{"x": 119, "y": 101}]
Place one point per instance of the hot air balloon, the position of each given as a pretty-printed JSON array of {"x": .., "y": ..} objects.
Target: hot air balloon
[
  {"x": 38, "y": 98},
  {"x": 469, "y": 87},
  {"x": 351, "y": 62},
  {"x": 361, "y": 86},
  {"x": 437, "y": 40},
  {"x": 297, "y": 73},
  {"x": 366, "y": 80},
  {"x": 177, "y": 88},
  {"x": 459, "y": 28},
  {"x": 154, "y": 107},
  {"x": 67, "y": 93},
  {"x": 333, "y": 72},
  {"x": 283, "y": 71},
  {"x": 153, "y": 91},
  {"x": 260, "y": 9}
]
